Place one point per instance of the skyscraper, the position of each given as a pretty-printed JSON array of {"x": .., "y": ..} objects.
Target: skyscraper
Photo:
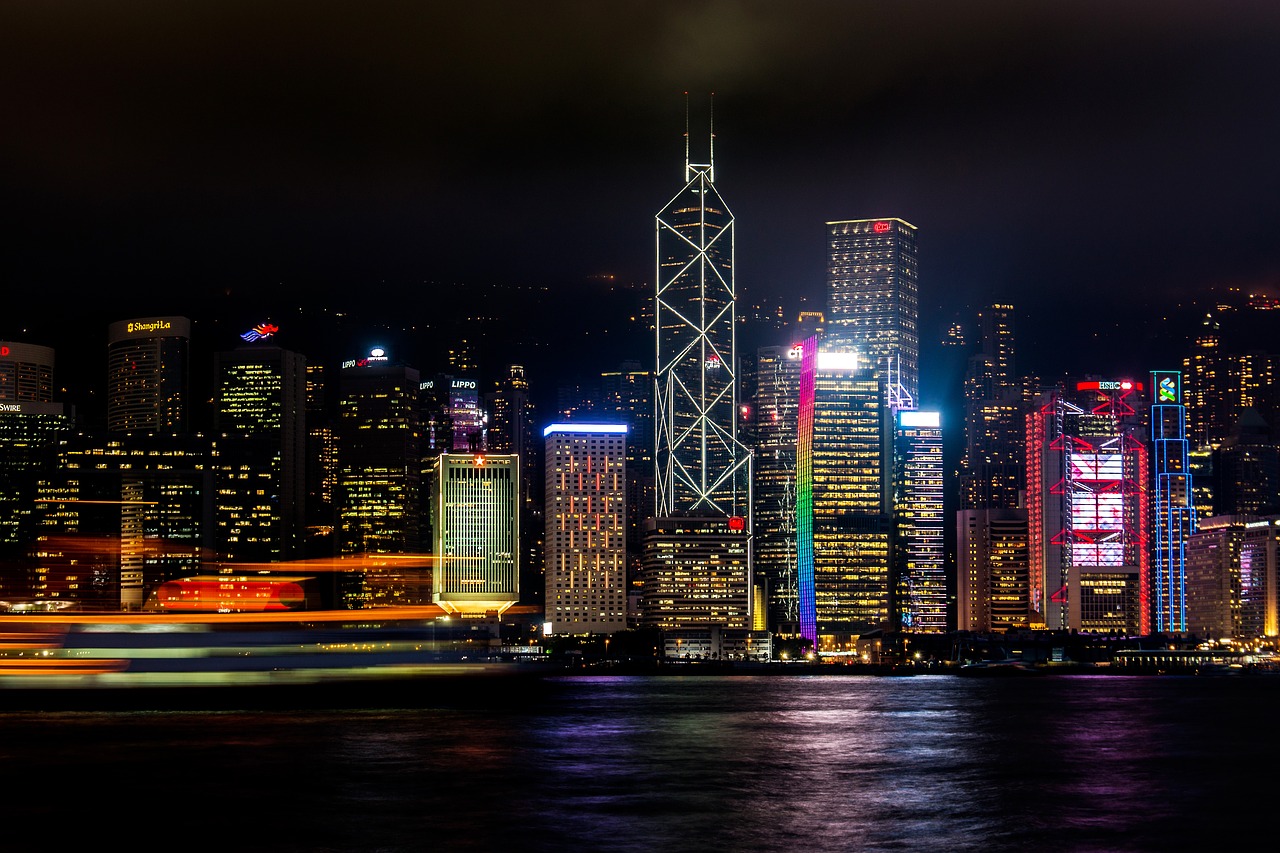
[
  {"x": 993, "y": 468},
  {"x": 30, "y": 425},
  {"x": 1087, "y": 487},
  {"x": 29, "y": 435},
  {"x": 774, "y": 411},
  {"x": 511, "y": 430},
  {"x": 920, "y": 575},
  {"x": 148, "y": 375},
  {"x": 702, "y": 469},
  {"x": 1173, "y": 512},
  {"x": 586, "y": 574},
  {"x": 26, "y": 373},
  {"x": 379, "y": 451},
  {"x": 321, "y": 465},
  {"x": 626, "y": 396},
  {"x": 1259, "y": 589},
  {"x": 1213, "y": 577},
  {"x": 842, "y": 500},
  {"x": 476, "y": 530},
  {"x": 258, "y": 454},
  {"x": 993, "y": 587},
  {"x": 120, "y": 517},
  {"x": 873, "y": 300}
]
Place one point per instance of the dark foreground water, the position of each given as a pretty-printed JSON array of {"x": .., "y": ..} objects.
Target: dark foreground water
[{"x": 766, "y": 763}]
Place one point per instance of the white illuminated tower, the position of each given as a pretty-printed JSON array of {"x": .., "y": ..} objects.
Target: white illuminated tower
[
  {"x": 701, "y": 467},
  {"x": 696, "y": 555}
]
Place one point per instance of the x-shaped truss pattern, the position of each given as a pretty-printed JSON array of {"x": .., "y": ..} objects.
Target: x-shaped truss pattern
[{"x": 701, "y": 465}]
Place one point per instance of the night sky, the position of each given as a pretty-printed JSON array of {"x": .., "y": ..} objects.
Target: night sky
[{"x": 1096, "y": 164}]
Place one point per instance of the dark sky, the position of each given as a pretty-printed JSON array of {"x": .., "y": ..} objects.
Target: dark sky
[{"x": 1089, "y": 162}]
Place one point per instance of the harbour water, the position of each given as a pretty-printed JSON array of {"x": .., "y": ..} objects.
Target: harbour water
[{"x": 667, "y": 763}]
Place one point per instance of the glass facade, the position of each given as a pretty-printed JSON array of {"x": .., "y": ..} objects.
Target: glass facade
[
  {"x": 842, "y": 467},
  {"x": 873, "y": 298},
  {"x": 379, "y": 452},
  {"x": 701, "y": 467},
  {"x": 774, "y": 412},
  {"x": 920, "y": 580},
  {"x": 258, "y": 455}
]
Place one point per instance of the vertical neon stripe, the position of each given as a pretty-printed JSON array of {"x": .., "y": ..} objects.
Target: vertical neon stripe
[{"x": 804, "y": 493}]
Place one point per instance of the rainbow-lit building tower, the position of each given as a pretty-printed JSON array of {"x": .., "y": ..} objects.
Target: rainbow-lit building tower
[{"x": 843, "y": 525}]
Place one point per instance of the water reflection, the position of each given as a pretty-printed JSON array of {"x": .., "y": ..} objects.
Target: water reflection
[{"x": 826, "y": 763}]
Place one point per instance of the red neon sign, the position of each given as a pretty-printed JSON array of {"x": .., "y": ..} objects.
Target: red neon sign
[
  {"x": 881, "y": 227},
  {"x": 4, "y": 350},
  {"x": 737, "y": 523}
]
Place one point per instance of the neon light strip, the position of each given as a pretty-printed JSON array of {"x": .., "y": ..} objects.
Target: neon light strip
[
  {"x": 805, "y": 589},
  {"x": 588, "y": 428}
]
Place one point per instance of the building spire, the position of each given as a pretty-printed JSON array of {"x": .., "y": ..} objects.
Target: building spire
[
  {"x": 711, "y": 114},
  {"x": 686, "y": 136}
]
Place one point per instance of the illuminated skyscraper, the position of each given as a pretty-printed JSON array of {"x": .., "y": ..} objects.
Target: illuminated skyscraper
[
  {"x": 774, "y": 411},
  {"x": 586, "y": 574},
  {"x": 29, "y": 434},
  {"x": 993, "y": 591},
  {"x": 842, "y": 500},
  {"x": 379, "y": 455},
  {"x": 1213, "y": 579},
  {"x": 476, "y": 530},
  {"x": 117, "y": 518},
  {"x": 26, "y": 373},
  {"x": 696, "y": 570},
  {"x": 993, "y": 468},
  {"x": 1246, "y": 468},
  {"x": 1087, "y": 488},
  {"x": 321, "y": 465},
  {"x": 258, "y": 454},
  {"x": 1173, "y": 512},
  {"x": 920, "y": 576},
  {"x": 511, "y": 430},
  {"x": 510, "y": 427},
  {"x": 1259, "y": 579},
  {"x": 873, "y": 300},
  {"x": 148, "y": 374},
  {"x": 626, "y": 396},
  {"x": 30, "y": 424},
  {"x": 1220, "y": 384},
  {"x": 703, "y": 470}
]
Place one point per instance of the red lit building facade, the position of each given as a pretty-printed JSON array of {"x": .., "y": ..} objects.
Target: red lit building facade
[{"x": 1087, "y": 493}]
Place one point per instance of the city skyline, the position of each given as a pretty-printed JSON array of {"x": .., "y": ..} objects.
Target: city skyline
[{"x": 230, "y": 155}]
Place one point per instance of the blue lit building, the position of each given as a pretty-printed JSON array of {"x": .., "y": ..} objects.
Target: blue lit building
[{"x": 1173, "y": 510}]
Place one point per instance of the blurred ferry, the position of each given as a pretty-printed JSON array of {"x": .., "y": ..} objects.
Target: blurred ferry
[{"x": 81, "y": 652}]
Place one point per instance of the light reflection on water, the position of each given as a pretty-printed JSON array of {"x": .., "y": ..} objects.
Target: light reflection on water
[{"x": 828, "y": 763}]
